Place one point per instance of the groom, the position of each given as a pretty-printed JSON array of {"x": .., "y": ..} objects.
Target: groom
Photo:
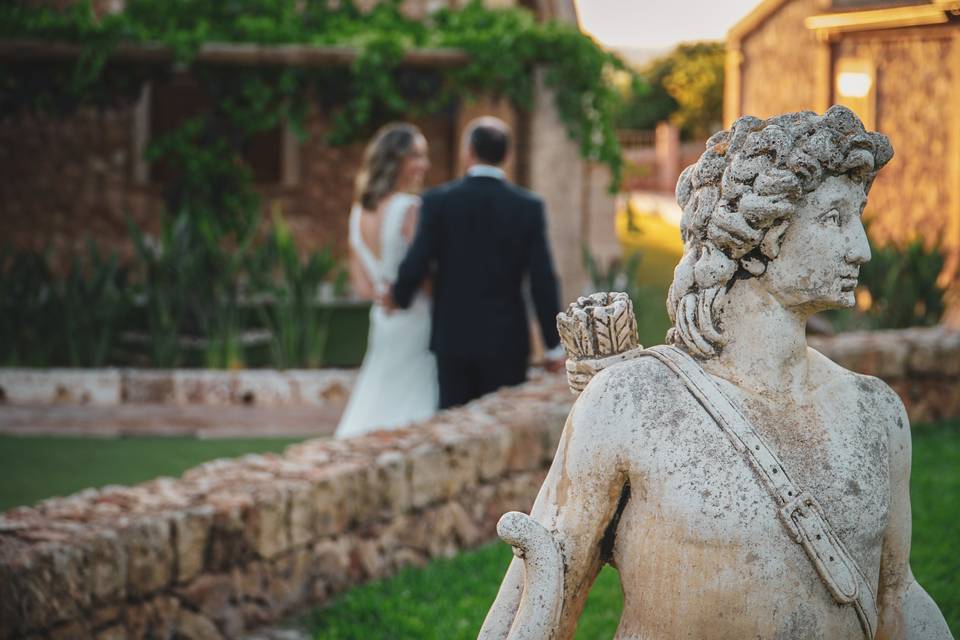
[{"x": 480, "y": 237}]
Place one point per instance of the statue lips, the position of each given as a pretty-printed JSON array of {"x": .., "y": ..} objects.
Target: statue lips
[{"x": 849, "y": 283}]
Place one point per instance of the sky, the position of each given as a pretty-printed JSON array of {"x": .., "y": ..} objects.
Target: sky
[{"x": 660, "y": 24}]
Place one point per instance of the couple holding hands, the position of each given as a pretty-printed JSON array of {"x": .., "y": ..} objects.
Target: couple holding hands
[{"x": 446, "y": 271}]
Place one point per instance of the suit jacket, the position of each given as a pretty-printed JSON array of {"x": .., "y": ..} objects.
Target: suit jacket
[{"x": 484, "y": 236}]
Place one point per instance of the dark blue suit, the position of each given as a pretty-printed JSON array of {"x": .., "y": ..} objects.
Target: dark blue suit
[{"x": 482, "y": 236}]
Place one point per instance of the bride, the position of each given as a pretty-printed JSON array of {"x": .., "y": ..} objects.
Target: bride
[{"x": 398, "y": 379}]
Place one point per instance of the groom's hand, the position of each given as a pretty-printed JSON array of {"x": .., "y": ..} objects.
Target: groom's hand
[{"x": 385, "y": 300}]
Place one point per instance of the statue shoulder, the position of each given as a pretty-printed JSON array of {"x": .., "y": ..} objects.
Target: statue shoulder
[
  {"x": 633, "y": 392},
  {"x": 874, "y": 398}
]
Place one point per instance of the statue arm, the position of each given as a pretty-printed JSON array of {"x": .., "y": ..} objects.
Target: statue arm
[
  {"x": 907, "y": 612},
  {"x": 576, "y": 503}
]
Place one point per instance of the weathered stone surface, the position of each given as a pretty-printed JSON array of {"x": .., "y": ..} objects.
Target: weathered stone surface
[
  {"x": 235, "y": 544},
  {"x": 107, "y": 565},
  {"x": 152, "y": 619},
  {"x": 191, "y": 531},
  {"x": 25, "y": 386},
  {"x": 150, "y": 555},
  {"x": 193, "y": 626},
  {"x": 266, "y": 523}
]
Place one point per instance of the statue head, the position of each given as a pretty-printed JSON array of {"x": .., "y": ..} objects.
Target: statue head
[{"x": 753, "y": 182}]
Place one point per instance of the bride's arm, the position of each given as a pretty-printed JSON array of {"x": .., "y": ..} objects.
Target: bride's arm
[
  {"x": 410, "y": 221},
  {"x": 359, "y": 281}
]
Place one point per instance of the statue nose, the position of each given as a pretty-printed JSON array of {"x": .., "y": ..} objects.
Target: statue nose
[{"x": 858, "y": 246}]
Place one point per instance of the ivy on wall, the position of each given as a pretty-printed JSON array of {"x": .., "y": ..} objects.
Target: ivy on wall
[{"x": 504, "y": 47}]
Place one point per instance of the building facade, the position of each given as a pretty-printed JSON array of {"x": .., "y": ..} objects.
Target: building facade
[
  {"x": 896, "y": 63},
  {"x": 67, "y": 179}
]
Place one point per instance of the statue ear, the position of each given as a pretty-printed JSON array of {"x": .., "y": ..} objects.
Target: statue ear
[{"x": 773, "y": 239}]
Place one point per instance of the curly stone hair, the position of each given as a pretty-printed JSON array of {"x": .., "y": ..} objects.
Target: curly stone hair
[
  {"x": 739, "y": 199},
  {"x": 382, "y": 160}
]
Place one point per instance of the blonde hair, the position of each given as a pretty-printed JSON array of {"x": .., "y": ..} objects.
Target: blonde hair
[
  {"x": 740, "y": 197},
  {"x": 382, "y": 161}
]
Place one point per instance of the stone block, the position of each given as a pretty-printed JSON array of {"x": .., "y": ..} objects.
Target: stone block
[
  {"x": 265, "y": 387},
  {"x": 150, "y": 557},
  {"x": 146, "y": 386},
  {"x": 70, "y": 631},
  {"x": 526, "y": 443},
  {"x": 41, "y": 585},
  {"x": 935, "y": 351},
  {"x": 210, "y": 595},
  {"x": 339, "y": 497},
  {"x": 289, "y": 582},
  {"x": 265, "y": 524},
  {"x": 202, "y": 387},
  {"x": 331, "y": 563},
  {"x": 114, "y": 632},
  {"x": 429, "y": 467},
  {"x": 191, "y": 530},
  {"x": 153, "y": 619},
  {"x": 45, "y": 386},
  {"x": 228, "y": 541},
  {"x": 107, "y": 567},
  {"x": 389, "y": 482},
  {"x": 193, "y": 626},
  {"x": 302, "y": 514},
  {"x": 322, "y": 388}
]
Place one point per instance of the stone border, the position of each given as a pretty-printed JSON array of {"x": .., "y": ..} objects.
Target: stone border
[
  {"x": 236, "y": 544},
  {"x": 922, "y": 364},
  {"x": 107, "y": 387}
]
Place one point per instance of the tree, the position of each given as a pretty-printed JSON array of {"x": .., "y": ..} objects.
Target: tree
[
  {"x": 685, "y": 87},
  {"x": 696, "y": 84}
]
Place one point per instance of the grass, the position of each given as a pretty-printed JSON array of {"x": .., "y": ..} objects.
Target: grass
[
  {"x": 449, "y": 598},
  {"x": 36, "y": 467}
]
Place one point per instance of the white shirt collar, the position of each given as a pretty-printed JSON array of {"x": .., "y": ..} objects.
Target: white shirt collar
[{"x": 486, "y": 171}]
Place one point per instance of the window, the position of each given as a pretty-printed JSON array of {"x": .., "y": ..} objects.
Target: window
[
  {"x": 163, "y": 107},
  {"x": 855, "y": 86}
]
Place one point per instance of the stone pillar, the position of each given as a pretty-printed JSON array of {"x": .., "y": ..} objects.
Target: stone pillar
[
  {"x": 557, "y": 175},
  {"x": 668, "y": 156}
]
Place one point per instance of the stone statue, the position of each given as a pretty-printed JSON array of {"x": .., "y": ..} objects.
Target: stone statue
[{"x": 743, "y": 485}]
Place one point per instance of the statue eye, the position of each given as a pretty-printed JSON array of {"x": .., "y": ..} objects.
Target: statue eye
[{"x": 831, "y": 217}]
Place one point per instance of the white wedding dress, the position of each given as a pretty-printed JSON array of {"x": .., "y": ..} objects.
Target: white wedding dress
[{"x": 397, "y": 384}]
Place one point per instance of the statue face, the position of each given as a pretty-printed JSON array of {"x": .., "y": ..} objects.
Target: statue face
[{"x": 823, "y": 248}]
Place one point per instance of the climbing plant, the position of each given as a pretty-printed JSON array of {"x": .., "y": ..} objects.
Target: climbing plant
[
  {"x": 192, "y": 277},
  {"x": 504, "y": 47}
]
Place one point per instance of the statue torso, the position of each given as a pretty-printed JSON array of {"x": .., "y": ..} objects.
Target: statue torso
[{"x": 699, "y": 547}]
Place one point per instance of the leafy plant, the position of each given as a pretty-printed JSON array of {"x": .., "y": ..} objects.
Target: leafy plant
[
  {"x": 46, "y": 320},
  {"x": 298, "y": 325},
  {"x": 94, "y": 302},
  {"x": 900, "y": 284}
]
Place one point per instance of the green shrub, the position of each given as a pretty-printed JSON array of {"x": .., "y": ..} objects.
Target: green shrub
[
  {"x": 49, "y": 320},
  {"x": 290, "y": 285},
  {"x": 902, "y": 286}
]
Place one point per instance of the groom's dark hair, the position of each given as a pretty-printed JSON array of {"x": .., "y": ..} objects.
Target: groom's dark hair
[{"x": 490, "y": 143}]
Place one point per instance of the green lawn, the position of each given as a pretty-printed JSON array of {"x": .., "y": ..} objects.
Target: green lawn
[
  {"x": 37, "y": 467},
  {"x": 449, "y": 598}
]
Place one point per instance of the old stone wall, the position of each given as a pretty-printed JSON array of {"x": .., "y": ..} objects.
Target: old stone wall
[
  {"x": 234, "y": 544},
  {"x": 70, "y": 179},
  {"x": 914, "y": 102},
  {"x": 921, "y": 364},
  {"x": 109, "y": 387},
  {"x": 778, "y": 72}
]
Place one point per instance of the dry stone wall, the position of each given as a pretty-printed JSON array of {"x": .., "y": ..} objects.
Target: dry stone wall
[
  {"x": 108, "y": 387},
  {"x": 921, "y": 364},
  {"x": 234, "y": 544}
]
